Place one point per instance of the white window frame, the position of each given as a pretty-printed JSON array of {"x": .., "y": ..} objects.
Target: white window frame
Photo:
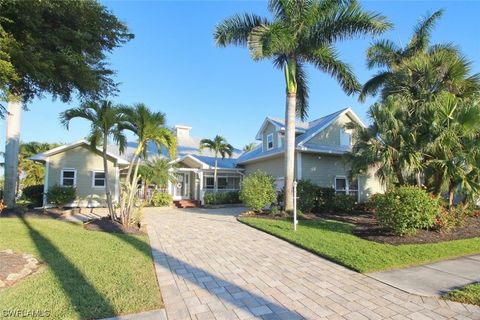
[
  {"x": 74, "y": 177},
  {"x": 347, "y": 186},
  {"x": 93, "y": 179},
  {"x": 345, "y": 138},
  {"x": 270, "y": 137}
]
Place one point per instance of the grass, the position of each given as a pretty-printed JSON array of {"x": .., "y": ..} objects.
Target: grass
[
  {"x": 334, "y": 240},
  {"x": 468, "y": 294},
  {"x": 86, "y": 274}
]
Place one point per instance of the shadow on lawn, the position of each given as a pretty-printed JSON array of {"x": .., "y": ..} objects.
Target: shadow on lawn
[
  {"x": 85, "y": 299},
  {"x": 226, "y": 291}
]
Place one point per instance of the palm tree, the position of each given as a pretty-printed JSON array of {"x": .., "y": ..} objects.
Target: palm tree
[
  {"x": 249, "y": 147},
  {"x": 148, "y": 126},
  {"x": 105, "y": 120},
  {"x": 388, "y": 55},
  {"x": 32, "y": 172},
  {"x": 302, "y": 32},
  {"x": 218, "y": 145},
  {"x": 157, "y": 171}
]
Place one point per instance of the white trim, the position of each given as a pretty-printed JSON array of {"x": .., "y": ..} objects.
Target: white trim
[
  {"x": 203, "y": 164},
  {"x": 74, "y": 176},
  {"x": 265, "y": 122},
  {"x": 270, "y": 135},
  {"x": 104, "y": 179},
  {"x": 347, "y": 186},
  {"x": 262, "y": 157},
  {"x": 42, "y": 156},
  {"x": 45, "y": 181},
  {"x": 299, "y": 165}
]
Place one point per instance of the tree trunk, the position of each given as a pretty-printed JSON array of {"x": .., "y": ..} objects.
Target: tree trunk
[
  {"x": 451, "y": 193},
  {"x": 215, "y": 182},
  {"x": 290, "y": 112},
  {"x": 12, "y": 147},
  {"x": 107, "y": 183}
]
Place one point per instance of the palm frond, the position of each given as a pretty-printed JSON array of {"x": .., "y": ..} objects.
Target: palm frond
[
  {"x": 302, "y": 91},
  {"x": 235, "y": 30},
  {"x": 383, "y": 53},
  {"x": 421, "y": 35},
  {"x": 372, "y": 86}
]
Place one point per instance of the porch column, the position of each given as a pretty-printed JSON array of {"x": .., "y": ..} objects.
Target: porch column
[{"x": 200, "y": 177}]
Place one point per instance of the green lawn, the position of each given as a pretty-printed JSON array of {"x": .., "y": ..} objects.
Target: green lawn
[
  {"x": 335, "y": 241},
  {"x": 469, "y": 294},
  {"x": 86, "y": 274}
]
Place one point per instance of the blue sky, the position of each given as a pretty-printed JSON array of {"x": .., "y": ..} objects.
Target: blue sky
[{"x": 173, "y": 65}]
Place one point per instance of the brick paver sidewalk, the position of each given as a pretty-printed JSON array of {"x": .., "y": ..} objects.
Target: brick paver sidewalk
[{"x": 210, "y": 266}]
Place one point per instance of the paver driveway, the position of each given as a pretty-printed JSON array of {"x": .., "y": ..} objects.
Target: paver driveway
[{"x": 210, "y": 266}]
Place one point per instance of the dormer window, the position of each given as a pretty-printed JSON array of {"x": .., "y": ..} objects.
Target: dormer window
[
  {"x": 345, "y": 138},
  {"x": 270, "y": 141}
]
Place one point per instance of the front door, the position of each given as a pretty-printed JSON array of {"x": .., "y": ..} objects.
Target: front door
[{"x": 182, "y": 188}]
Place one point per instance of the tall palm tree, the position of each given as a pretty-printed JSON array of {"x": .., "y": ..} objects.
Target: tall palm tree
[
  {"x": 149, "y": 127},
  {"x": 302, "y": 32},
  {"x": 105, "y": 120},
  {"x": 219, "y": 146},
  {"x": 387, "y": 55}
]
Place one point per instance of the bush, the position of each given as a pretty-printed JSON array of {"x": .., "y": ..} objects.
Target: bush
[
  {"x": 447, "y": 219},
  {"x": 257, "y": 191},
  {"x": 307, "y": 193},
  {"x": 60, "y": 196},
  {"x": 161, "y": 199},
  {"x": 325, "y": 199},
  {"x": 34, "y": 194},
  {"x": 405, "y": 210},
  {"x": 344, "y": 203},
  {"x": 229, "y": 197}
]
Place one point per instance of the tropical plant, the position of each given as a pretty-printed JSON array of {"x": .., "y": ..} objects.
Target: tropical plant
[
  {"x": 302, "y": 32},
  {"x": 249, "y": 147},
  {"x": 161, "y": 199},
  {"x": 55, "y": 47},
  {"x": 257, "y": 191},
  {"x": 219, "y": 146},
  {"x": 105, "y": 121},
  {"x": 34, "y": 194},
  {"x": 149, "y": 127},
  {"x": 158, "y": 171}
]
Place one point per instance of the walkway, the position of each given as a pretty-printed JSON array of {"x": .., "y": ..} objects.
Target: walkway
[
  {"x": 436, "y": 278},
  {"x": 210, "y": 266}
]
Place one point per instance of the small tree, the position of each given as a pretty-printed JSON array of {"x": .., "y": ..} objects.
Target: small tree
[
  {"x": 218, "y": 145},
  {"x": 257, "y": 191}
]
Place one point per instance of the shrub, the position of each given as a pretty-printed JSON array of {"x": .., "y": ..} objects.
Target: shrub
[
  {"x": 257, "y": 191},
  {"x": 34, "y": 194},
  {"x": 325, "y": 199},
  {"x": 405, "y": 210},
  {"x": 447, "y": 219},
  {"x": 229, "y": 197},
  {"x": 344, "y": 203},
  {"x": 307, "y": 193},
  {"x": 161, "y": 199},
  {"x": 60, "y": 196}
]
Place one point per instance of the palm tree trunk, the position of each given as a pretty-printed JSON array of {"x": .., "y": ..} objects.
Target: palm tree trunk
[
  {"x": 451, "y": 193},
  {"x": 215, "y": 182},
  {"x": 12, "y": 146},
  {"x": 107, "y": 183},
  {"x": 125, "y": 197},
  {"x": 289, "y": 149}
]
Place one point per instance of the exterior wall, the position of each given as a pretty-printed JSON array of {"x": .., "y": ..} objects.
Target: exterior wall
[
  {"x": 321, "y": 169},
  {"x": 369, "y": 185},
  {"x": 273, "y": 166},
  {"x": 268, "y": 130},
  {"x": 331, "y": 135},
  {"x": 84, "y": 161}
]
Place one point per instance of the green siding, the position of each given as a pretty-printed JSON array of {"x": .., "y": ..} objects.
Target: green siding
[
  {"x": 321, "y": 169},
  {"x": 268, "y": 130},
  {"x": 273, "y": 166},
  {"x": 84, "y": 161},
  {"x": 331, "y": 135}
]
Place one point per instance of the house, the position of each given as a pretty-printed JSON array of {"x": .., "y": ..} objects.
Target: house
[
  {"x": 319, "y": 147},
  {"x": 80, "y": 166}
]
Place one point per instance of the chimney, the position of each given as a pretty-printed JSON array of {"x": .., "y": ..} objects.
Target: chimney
[{"x": 182, "y": 132}]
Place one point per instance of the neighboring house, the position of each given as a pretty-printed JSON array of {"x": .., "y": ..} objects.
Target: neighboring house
[
  {"x": 80, "y": 166},
  {"x": 319, "y": 146}
]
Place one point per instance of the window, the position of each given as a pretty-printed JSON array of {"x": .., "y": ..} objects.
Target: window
[
  {"x": 209, "y": 183},
  {"x": 270, "y": 141},
  {"x": 345, "y": 138},
  {"x": 222, "y": 183},
  {"x": 340, "y": 185},
  {"x": 69, "y": 177},
  {"x": 344, "y": 186},
  {"x": 98, "y": 179}
]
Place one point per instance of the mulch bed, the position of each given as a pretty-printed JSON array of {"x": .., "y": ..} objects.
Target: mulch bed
[
  {"x": 107, "y": 225},
  {"x": 366, "y": 227}
]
